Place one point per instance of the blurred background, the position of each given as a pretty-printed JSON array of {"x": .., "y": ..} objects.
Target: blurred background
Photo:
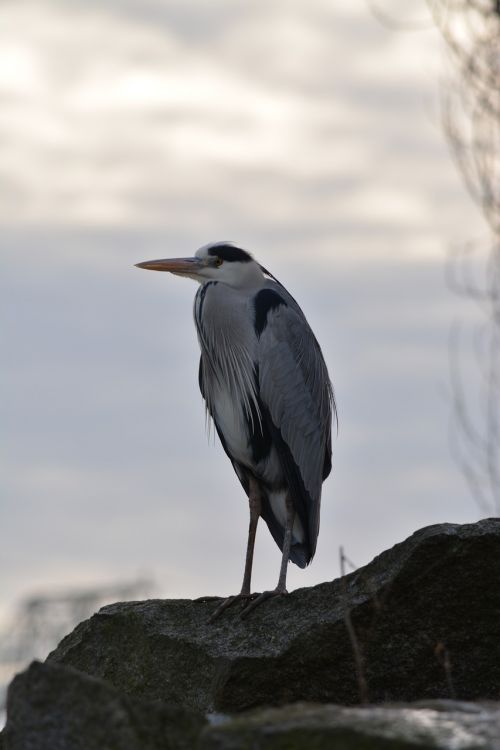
[{"x": 311, "y": 134}]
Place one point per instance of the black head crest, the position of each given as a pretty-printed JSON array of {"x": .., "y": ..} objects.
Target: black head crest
[{"x": 230, "y": 253}]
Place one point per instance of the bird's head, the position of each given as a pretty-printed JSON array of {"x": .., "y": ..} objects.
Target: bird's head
[{"x": 218, "y": 261}]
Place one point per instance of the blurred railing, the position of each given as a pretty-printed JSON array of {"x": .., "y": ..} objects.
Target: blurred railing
[{"x": 43, "y": 619}]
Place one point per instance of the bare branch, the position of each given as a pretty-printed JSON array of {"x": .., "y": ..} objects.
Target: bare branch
[
  {"x": 470, "y": 110},
  {"x": 355, "y": 645}
]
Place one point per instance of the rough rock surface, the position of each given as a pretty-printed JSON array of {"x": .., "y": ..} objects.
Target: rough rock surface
[
  {"x": 445, "y": 725},
  {"x": 425, "y": 615},
  {"x": 50, "y": 707}
]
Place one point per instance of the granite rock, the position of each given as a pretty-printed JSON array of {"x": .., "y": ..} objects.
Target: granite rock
[{"x": 425, "y": 625}]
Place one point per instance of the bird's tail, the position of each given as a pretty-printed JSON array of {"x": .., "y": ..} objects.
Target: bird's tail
[{"x": 274, "y": 514}]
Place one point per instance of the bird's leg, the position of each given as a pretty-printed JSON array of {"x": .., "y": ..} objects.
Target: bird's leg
[
  {"x": 255, "y": 504},
  {"x": 287, "y": 543}
]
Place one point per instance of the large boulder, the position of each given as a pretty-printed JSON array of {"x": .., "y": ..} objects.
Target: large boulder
[
  {"x": 50, "y": 707},
  {"x": 419, "y": 622}
]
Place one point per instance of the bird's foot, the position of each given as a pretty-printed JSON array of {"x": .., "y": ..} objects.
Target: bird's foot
[
  {"x": 229, "y": 602},
  {"x": 262, "y": 598}
]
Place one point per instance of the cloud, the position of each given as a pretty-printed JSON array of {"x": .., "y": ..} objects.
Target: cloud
[{"x": 132, "y": 115}]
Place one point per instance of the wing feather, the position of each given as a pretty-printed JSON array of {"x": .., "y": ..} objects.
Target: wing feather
[{"x": 298, "y": 402}]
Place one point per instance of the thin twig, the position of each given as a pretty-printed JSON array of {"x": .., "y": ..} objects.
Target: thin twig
[
  {"x": 443, "y": 656},
  {"x": 355, "y": 645}
]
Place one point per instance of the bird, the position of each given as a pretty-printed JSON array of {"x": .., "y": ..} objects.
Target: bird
[{"x": 266, "y": 388}]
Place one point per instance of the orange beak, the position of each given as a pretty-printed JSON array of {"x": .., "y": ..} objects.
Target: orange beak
[{"x": 179, "y": 266}]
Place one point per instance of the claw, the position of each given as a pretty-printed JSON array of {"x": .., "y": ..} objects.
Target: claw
[
  {"x": 229, "y": 602},
  {"x": 262, "y": 598}
]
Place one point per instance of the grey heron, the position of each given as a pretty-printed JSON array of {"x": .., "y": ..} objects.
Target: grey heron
[{"x": 266, "y": 387}]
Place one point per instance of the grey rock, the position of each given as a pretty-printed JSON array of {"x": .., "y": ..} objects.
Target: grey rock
[
  {"x": 454, "y": 726},
  {"x": 425, "y": 616},
  {"x": 50, "y": 707}
]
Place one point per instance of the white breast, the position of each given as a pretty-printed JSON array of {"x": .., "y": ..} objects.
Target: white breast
[
  {"x": 228, "y": 343},
  {"x": 230, "y": 417}
]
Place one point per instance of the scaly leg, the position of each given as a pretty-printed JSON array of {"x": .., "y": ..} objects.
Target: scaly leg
[
  {"x": 255, "y": 504},
  {"x": 287, "y": 543}
]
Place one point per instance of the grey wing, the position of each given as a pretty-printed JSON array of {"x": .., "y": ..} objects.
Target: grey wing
[{"x": 298, "y": 403}]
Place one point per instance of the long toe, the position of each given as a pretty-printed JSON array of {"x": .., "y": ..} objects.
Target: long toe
[
  {"x": 262, "y": 598},
  {"x": 229, "y": 602}
]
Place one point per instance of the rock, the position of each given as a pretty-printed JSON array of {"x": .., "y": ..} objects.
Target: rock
[
  {"x": 50, "y": 707},
  {"x": 448, "y": 726},
  {"x": 424, "y": 614}
]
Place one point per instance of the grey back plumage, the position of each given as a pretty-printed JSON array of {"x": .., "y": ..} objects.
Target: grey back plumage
[
  {"x": 296, "y": 390},
  {"x": 258, "y": 350}
]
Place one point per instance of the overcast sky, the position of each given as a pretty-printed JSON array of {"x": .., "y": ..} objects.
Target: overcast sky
[{"x": 131, "y": 130}]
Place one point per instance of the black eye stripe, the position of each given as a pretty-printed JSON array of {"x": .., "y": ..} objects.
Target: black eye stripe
[{"x": 230, "y": 254}]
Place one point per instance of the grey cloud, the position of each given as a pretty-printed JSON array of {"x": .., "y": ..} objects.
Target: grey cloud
[{"x": 128, "y": 161}]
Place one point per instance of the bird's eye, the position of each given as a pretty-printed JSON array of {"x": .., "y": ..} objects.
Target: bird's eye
[{"x": 218, "y": 262}]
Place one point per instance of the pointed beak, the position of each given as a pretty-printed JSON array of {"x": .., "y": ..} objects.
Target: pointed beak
[{"x": 179, "y": 266}]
